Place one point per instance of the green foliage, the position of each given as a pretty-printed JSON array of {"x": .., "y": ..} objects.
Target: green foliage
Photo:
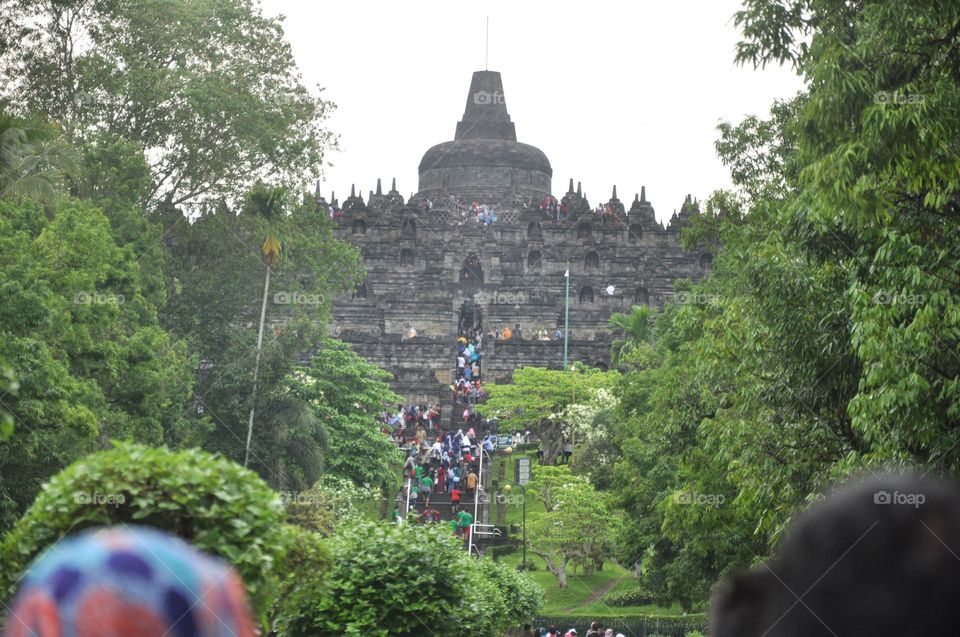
[
  {"x": 208, "y": 91},
  {"x": 348, "y": 394},
  {"x": 385, "y": 580},
  {"x": 34, "y": 161},
  {"x": 825, "y": 338},
  {"x": 83, "y": 338},
  {"x": 547, "y": 479},
  {"x": 523, "y": 597},
  {"x": 635, "y": 596},
  {"x": 8, "y": 387},
  {"x": 536, "y": 398},
  {"x": 635, "y": 330},
  {"x": 578, "y": 530},
  {"x": 330, "y": 504},
  {"x": 302, "y": 575},
  {"x": 215, "y": 504},
  {"x": 217, "y": 275}
]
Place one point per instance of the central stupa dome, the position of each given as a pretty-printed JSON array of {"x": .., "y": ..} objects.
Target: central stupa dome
[{"x": 485, "y": 162}]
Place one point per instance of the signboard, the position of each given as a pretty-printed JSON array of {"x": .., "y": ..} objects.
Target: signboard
[
  {"x": 504, "y": 441},
  {"x": 523, "y": 470}
]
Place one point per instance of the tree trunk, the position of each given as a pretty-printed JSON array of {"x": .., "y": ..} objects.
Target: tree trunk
[
  {"x": 256, "y": 366},
  {"x": 552, "y": 439},
  {"x": 562, "y": 575}
]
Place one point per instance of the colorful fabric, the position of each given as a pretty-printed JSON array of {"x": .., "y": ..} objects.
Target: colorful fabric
[{"x": 131, "y": 582}]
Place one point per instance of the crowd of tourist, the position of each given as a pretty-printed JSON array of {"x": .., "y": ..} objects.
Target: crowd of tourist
[
  {"x": 418, "y": 418},
  {"x": 558, "y": 210},
  {"x": 596, "y": 630},
  {"x": 467, "y": 387},
  {"x": 449, "y": 465}
]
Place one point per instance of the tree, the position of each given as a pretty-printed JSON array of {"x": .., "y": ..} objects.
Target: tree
[
  {"x": 635, "y": 328},
  {"x": 8, "y": 387},
  {"x": 216, "y": 281},
  {"x": 91, "y": 360},
  {"x": 34, "y": 161},
  {"x": 537, "y": 397},
  {"x": 269, "y": 204},
  {"x": 579, "y": 524},
  {"x": 348, "y": 395},
  {"x": 547, "y": 479},
  {"x": 208, "y": 91}
]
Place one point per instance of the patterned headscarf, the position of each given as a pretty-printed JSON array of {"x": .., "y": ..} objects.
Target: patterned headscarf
[{"x": 129, "y": 582}]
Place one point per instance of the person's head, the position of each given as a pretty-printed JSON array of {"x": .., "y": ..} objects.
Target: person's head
[
  {"x": 876, "y": 557},
  {"x": 594, "y": 626},
  {"x": 128, "y": 582}
]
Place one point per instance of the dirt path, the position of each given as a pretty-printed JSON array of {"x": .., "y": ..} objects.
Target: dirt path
[{"x": 595, "y": 595}]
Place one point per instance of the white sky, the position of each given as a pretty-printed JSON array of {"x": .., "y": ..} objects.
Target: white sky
[{"x": 625, "y": 93}]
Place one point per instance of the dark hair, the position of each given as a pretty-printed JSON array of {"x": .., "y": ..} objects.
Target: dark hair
[{"x": 876, "y": 557}]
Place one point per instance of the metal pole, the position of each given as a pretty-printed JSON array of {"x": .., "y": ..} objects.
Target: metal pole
[
  {"x": 524, "y": 491},
  {"x": 486, "y": 60},
  {"x": 406, "y": 509},
  {"x": 476, "y": 503},
  {"x": 566, "y": 316}
]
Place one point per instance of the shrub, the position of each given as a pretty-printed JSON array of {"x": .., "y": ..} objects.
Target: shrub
[
  {"x": 330, "y": 503},
  {"x": 483, "y": 609},
  {"x": 634, "y": 596},
  {"x": 385, "y": 580},
  {"x": 302, "y": 576},
  {"x": 523, "y": 596},
  {"x": 214, "y": 503}
]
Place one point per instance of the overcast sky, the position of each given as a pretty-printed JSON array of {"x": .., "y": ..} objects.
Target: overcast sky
[{"x": 625, "y": 93}]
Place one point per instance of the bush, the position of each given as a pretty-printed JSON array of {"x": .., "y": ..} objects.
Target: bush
[
  {"x": 385, "y": 580},
  {"x": 483, "y": 609},
  {"x": 523, "y": 596},
  {"x": 302, "y": 573},
  {"x": 330, "y": 503},
  {"x": 634, "y": 596},
  {"x": 213, "y": 503}
]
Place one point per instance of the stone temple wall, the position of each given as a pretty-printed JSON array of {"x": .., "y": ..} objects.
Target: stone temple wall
[{"x": 415, "y": 282}]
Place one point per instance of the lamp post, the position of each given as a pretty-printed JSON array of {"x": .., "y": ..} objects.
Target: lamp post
[{"x": 566, "y": 315}]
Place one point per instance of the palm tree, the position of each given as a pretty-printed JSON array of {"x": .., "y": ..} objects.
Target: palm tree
[
  {"x": 635, "y": 328},
  {"x": 32, "y": 165},
  {"x": 267, "y": 203}
]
